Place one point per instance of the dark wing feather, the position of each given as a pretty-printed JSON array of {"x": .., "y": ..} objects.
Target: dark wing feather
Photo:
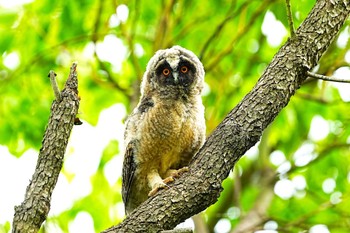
[
  {"x": 145, "y": 104},
  {"x": 129, "y": 168}
]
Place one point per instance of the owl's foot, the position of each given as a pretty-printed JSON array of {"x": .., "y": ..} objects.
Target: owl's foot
[
  {"x": 171, "y": 175},
  {"x": 177, "y": 173},
  {"x": 161, "y": 185}
]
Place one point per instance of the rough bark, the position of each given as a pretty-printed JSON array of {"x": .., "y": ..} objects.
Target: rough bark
[
  {"x": 243, "y": 126},
  {"x": 36, "y": 205}
]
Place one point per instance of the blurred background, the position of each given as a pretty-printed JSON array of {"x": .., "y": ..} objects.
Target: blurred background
[{"x": 296, "y": 179}]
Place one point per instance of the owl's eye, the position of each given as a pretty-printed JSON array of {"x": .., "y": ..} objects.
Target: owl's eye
[
  {"x": 166, "y": 71},
  {"x": 184, "y": 69}
]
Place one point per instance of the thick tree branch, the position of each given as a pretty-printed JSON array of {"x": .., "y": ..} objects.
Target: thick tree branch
[
  {"x": 243, "y": 126},
  {"x": 36, "y": 205}
]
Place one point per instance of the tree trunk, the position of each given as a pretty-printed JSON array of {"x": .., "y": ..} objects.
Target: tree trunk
[{"x": 243, "y": 126}]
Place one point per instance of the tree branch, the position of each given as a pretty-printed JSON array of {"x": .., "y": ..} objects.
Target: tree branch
[
  {"x": 221, "y": 25},
  {"x": 53, "y": 81},
  {"x": 243, "y": 126},
  {"x": 200, "y": 223},
  {"x": 290, "y": 18},
  {"x": 241, "y": 32},
  {"x": 36, "y": 205},
  {"x": 257, "y": 215},
  {"x": 180, "y": 230},
  {"x": 325, "y": 78}
]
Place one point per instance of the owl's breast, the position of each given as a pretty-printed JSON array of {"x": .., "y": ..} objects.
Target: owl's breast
[{"x": 168, "y": 132}]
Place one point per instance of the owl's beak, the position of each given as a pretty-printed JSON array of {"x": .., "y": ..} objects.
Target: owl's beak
[{"x": 176, "y": 77}]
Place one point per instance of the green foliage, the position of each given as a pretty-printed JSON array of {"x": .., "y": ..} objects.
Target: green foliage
[{"x": 228, "y": 37}]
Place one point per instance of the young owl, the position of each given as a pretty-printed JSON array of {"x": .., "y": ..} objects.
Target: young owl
[{"x": 166, "y": 128}]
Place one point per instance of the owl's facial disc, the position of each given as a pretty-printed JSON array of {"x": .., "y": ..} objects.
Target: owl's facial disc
[{"x": 175, "y": 71}]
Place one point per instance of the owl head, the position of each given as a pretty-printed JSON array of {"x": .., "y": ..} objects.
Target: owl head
[{"x": 173, "y": 73}]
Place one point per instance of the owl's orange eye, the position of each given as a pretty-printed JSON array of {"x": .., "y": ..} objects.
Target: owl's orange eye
[
  {"x": 184, "y": 69},
  {"x": 166, "y": 71}
]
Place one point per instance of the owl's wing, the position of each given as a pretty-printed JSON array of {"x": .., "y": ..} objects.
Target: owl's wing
[{"x": 129, "y": 168}]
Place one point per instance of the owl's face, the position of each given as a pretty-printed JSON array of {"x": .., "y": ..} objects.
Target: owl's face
[{"x": 174, "y": 71}]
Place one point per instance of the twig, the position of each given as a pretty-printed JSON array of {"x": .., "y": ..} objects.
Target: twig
[
  {"x": 179, "y": 230},
  {"x": 52, "y": 75},
  {"x": 34, "y": 209},
  {"x": 129, "y": 36},
  {"x": 312, "y": 97},
  {"x": 321, "y": 154},
  {"x": 238, "y": 35},
  {"x": 221, "y": 25},
  {"x": 257, "y": 215},
  {"x": 290, "y": 18},
  {"x": 300, "y": 222},
  {"x": 94, "y": 38},
  {"x": 323, "y": 77},
  {"x": 200, "y": 224},
  {"x": 165, "y": 24},
  {"x": 109, "y": 76},
  {"x": 41, "y": 54}
]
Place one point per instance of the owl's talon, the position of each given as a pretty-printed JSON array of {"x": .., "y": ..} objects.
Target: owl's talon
[
  {"x": 168, "y": 180},
  {"x": 177, "y": 173},
  {"x": 182, "y": 171},
  {"x": 160, "y": 186},
  {"x": 153, "y": 192},
  {"x": 156, "y": 189}
]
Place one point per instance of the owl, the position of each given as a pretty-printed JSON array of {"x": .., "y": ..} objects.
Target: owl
[{"x": 166, "y": 128}]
